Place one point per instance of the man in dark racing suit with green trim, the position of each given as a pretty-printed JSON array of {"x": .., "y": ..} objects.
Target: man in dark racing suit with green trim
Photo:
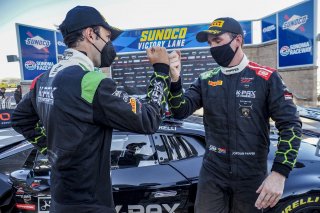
[
  {"x": 79, "y": 107},
  {"x": 238, "y": 99}
]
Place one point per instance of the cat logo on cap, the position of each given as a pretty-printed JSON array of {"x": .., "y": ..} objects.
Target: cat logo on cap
[{"x": 217, "y": 23}]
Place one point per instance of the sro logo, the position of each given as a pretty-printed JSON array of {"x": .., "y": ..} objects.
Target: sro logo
[{"x": 5, "y": 116}]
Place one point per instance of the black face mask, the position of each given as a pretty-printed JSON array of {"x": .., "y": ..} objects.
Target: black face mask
[
  {"x": 107, "y": 54},
  {"x": 223, "y": 54}
]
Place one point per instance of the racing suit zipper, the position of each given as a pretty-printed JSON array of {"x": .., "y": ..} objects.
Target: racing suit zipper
[{"x": 228, "y": 111}]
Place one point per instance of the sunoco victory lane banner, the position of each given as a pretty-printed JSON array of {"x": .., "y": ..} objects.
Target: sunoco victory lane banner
[
  {"x": 175, "y": 37},
  {"x": 269, "y": 28},
  {"x": 37, "y": 50},
  {"x": 169, "y": 37},
  {"x": 296, "y": 36}
]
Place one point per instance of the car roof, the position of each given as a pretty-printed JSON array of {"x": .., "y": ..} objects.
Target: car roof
[{"x": 169, "y": 126}]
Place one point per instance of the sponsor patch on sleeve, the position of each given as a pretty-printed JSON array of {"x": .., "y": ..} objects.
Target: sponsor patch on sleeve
[
  {"x": 215, "y": 83},
  {"x": 262, "y": 71},
  {"x": 288, "y": 95},
  {"x": 133, "y": 103}
]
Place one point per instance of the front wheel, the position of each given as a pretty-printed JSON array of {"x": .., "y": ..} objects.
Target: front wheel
[{"x": 301, "y": 204}]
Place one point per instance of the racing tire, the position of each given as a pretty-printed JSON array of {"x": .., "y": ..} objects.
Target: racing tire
[{"x": 300, "y": 204}]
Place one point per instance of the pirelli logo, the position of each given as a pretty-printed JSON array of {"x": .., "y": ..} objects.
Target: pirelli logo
[
  {"x": 215, "y": 83},
  {"x": 217, "y": 23}
]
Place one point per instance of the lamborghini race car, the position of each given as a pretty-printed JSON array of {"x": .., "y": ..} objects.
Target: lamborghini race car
[{"x": 157, "y": 173}]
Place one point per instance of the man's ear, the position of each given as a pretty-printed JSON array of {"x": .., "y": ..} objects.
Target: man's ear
[
  {"x": 89, "y": 34},
  {"x": 239, "y": 39}
]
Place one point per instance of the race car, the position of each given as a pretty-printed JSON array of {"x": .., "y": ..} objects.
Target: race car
[{"x": 158, "y": 173}]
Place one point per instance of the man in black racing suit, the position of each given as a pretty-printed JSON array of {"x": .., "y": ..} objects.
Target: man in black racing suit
[
  {"x": 79, "y": 107},
  {"x": 238, "y": 99}
]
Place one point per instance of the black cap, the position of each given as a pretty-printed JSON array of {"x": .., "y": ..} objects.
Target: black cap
[
  {"x": 81, "y": 17},
  {"x": 220, "y": 26}
]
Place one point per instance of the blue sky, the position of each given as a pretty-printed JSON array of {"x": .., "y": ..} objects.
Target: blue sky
[{"x": 125, "y": 14}]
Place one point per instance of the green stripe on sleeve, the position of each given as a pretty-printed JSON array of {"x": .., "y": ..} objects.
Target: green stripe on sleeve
[{"x": 89, "y": 85}]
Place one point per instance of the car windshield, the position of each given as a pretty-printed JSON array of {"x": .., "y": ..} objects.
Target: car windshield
[
  {"x": 126, "y": 151},
  {"x": 132, "y": 151}
]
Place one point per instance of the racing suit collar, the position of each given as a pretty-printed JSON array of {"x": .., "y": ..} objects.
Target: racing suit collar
[
  {"x": 79, "y": 57},
  {"x": 236, "y": 69}
]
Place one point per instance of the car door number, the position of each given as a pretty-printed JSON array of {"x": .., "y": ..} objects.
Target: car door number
[{"x": 152, "y": 208}]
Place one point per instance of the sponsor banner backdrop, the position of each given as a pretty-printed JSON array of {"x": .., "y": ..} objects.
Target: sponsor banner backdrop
[
  {"x": 296, "y": 32},
  {"x": 37, "y": 50},
  {"x": 247, "y": 31},
  {"x": 173, "y": 37},
  {"x": 269, "y": 28},
  {"x": 132, "y": 71}
]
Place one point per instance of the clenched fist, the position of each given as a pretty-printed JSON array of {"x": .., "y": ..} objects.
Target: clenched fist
[
  {"x": 158, "y": 55},
  {"x": 175, "y": 65}
]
